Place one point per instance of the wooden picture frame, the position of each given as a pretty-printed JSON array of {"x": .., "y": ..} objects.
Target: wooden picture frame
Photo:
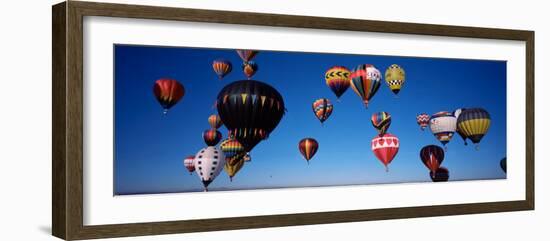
[{"x": 67, "y": 150}]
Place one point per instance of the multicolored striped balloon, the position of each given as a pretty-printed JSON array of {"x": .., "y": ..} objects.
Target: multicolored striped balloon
[
  {"x": 215, "y": 121},
  {"x": 233, "y": 150},
  {"x": 211, "y": 137},
  {"x": 381, "y": 121},
  {"x": 337, "y": 79},
  {"x": 246, "y": 55},
  {"x": 365, "y": 81},
  {"x": 168, "y": 92},
  {"x": 308, "y": 147},
  {"x": 222, "y": 67},
  {"x": 322, "y": 108}
]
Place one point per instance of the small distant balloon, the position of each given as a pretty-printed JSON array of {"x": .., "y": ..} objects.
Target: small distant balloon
[
  {"x": 381, "y": 121},
  {"x": 246, "y": 55},
  {"x": 249, "y": 69},
  {"x": 222, "y": 67},
  {"x": 395, "y": 78},
  {"x": 215, "y": 121},
  {"x": 503, "y": 164},
  {"x": 308, "y": 147},
  {"x": 189, "y": 164},
  {"x": 168, "y": 93},
  {"x": 322, "y": 108},
  {"x": 423, "y": 120},
  {"x": 211, "y": 137}
]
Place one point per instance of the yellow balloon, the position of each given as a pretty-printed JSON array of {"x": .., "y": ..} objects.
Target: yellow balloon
[{"x": 395, "y": 78}]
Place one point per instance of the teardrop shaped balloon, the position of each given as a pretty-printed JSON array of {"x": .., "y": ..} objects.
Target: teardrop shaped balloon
[
  {"x": 168, "y": 93},
  {"x": 322, "y": 108},
  {"x": 381, "y": 121},
  {"x": 423, "y": 120},
  {"x": 246, "y": 55},
  {"x": 308, "y": 147},
  {"x": 443, "y": 126},
  {"x": 209, "y": 162},
  {"x": 440, "y": 175},
  {"x": 385, "y": 148},
  {"x": 432, "y": 156},
  {"x": 395, "y": 78},
  {"x": 338, "y": 80},
  {"x": 215, "y": 121},
  {"x": 233, "y": 169},
  {"x": 249, "y": 69},
  {"x": 250, "y": 110},
  {"x": 459, "y": 130},
  {"x": 233, "y": 150},
  {"x": 365, "y": 81},
  {"x": 222, "y": 67},
  {"x": 474, "y": 123},
  {"x": 503, "y": 164},
  {"x": 211, "y": 137},
  {"x": 189, "y": 164}
]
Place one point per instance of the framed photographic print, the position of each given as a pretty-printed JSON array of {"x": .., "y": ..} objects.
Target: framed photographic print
[{"x": 170, "y": 120}]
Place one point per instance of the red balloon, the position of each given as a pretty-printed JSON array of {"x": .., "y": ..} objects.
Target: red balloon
[
  {"x": 432, "y": 156},
  {"x": 211, "y": 137},
  {"x": 168, "y": 92},
  {"x": 308, "y": 147},
  {"x": 385, "y": 147},
  {"x": 189, "y": 163}
]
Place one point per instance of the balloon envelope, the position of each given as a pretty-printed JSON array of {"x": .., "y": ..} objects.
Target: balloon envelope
[
  {"x": 189, "y": 163},
  {"x": 168, "y": 92},
  {"x": 385, "y": 147},
  {"x": 215, "y": 121},
  {"x": 381, "y": 121},
  {"x": 432, "y": 156},
  {"x": 443, "y": 126},
  {"x": 474, "y": 123},
  {"x": 322, "y": 108},
  {"x": 337, "y": 79},
  {"x": 423, "y": 120},
  {"x": 308, "y": 147},
  {"x": 440, "y": 175},
  {"x": 209, "y": 162},
  {"x": 211, "y": 137},
  {"x": 395, "y": 78},
  {"x": 222, "y": 67},
  {"x": 246, "y": 55},
  {"x": 365, "y": 81}
]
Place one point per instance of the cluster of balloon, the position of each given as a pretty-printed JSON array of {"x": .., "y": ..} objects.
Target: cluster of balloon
[
  {"x": 503, "y": 164},
  {"x": 209, "y": 162},
  {"x": 443, "y": 126},
  {"x": 337, "y": 79},
  {"x": 222, "y": 67},
  {"x": 365, "y": 81},
  {"x": 440, "y": 175},
  {"x": 250, "y": 110},
  {"x": 189, "y": 163},
  {"x": 322, "y": 108},
  {"x": 432, "y": 156},
  {"x": 385, "y": 147},
  {"x": 249, "y": 67},
  {"x": 473, "y": 123},
  {"x": 308, "y": 147},
  {"x": 168, "y": 92},
  {"x": 395, "y": 78},
  {"x": 423, "y": 120}
]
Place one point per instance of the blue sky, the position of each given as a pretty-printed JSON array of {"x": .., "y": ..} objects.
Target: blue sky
[{"x": 150, "y": 147}]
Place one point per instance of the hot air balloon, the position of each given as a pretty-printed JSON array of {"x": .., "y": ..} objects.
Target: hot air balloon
[
  {"x": 440, "y": 175},
  {"x": 308, "y": 147},
  {"x": 474, "y": 123},
  {"x": 423, "y": 120},
  {"x": 503, "y": 164},
  {"x": 221, "y": 67},
  {"x": 246, "y": 55},
  {"x": 365, "y": 81},
  {"x": 385, "y": 147},
  {"x": 232, "y": 170},
  {"x": 443, "y": 126},
  {"x": 250, "y": 110},
  {"x": 249, "y": 69},
  {"x": 211, "y": 137},
  {"x": 432, "y": 156},
  {"x": 458, "y": 130},
  {"x": 381, "y": 121},
  {"x": 395, "y": 77},
  {"x": 322, "y": 108},
  {"x": 233, "y": 150},
  {"x": 168, "y": 92},
  {"x": 209, "y": 162},
  {"x": 215, "y": 121},
  {"x": 337, "y": 79},
  {"x": 188, "y": 162}
]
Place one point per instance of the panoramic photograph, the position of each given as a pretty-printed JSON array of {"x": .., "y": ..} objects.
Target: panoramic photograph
[{"x": 202, "y": 119}]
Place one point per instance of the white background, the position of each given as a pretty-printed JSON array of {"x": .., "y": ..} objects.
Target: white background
[{"x": 25, "y": 126}]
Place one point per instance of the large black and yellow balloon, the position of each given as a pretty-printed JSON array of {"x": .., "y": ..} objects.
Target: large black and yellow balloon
[
  {"x": 474, "y": 123},
  {"x": 250, "y": 110}
]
